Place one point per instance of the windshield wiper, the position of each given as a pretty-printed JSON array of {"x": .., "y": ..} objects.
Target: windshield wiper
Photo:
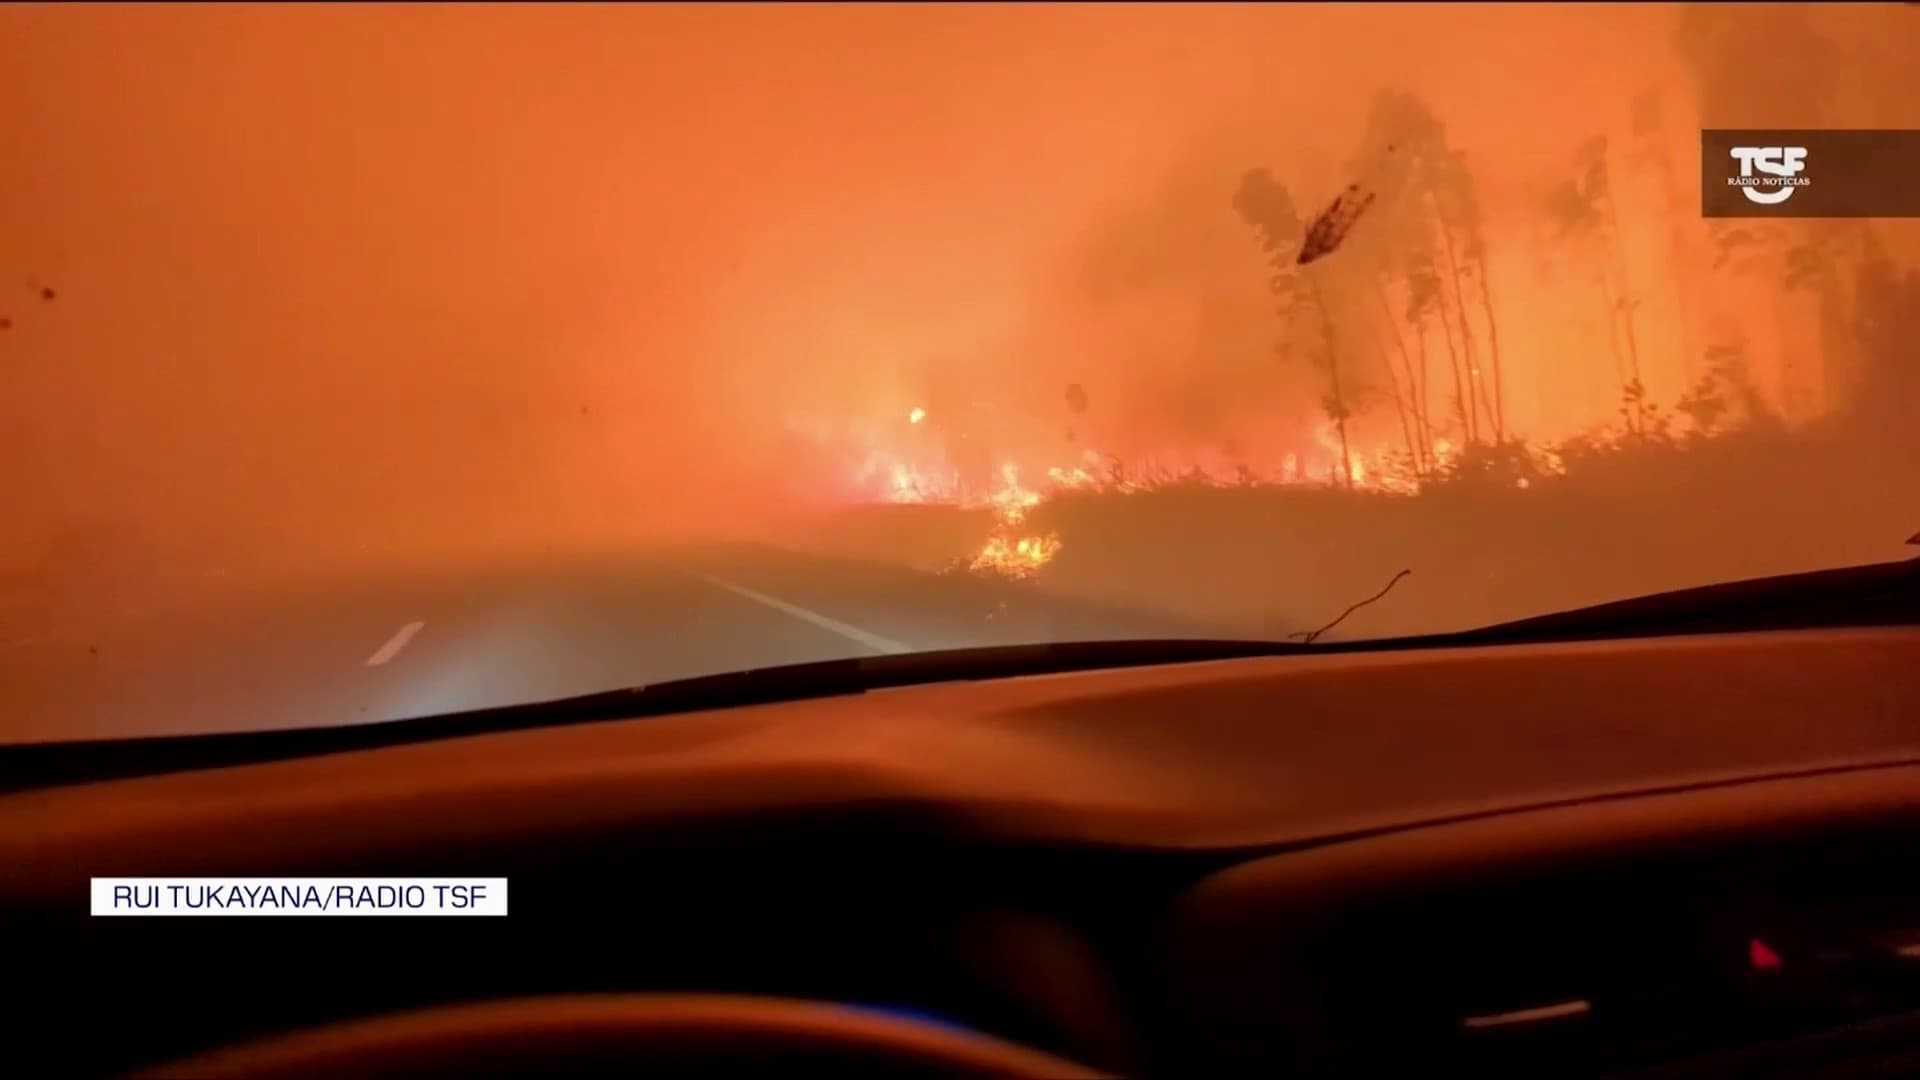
[
  {"x": 1881, "y": 594},
  {"x": 30, "y": 765}
]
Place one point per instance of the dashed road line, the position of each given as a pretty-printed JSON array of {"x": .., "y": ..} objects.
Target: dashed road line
[
  {"x": 394, "y": 644},
  {"x": 845, "y": 630}
]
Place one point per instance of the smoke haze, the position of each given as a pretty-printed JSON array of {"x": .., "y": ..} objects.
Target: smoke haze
[{"x": 340, "y": 283}]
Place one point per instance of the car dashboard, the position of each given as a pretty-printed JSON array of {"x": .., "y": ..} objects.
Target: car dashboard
[{"x": 1662, "y": 856}]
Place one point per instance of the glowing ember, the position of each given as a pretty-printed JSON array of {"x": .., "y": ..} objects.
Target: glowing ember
[{"x": 916, "y": 415}]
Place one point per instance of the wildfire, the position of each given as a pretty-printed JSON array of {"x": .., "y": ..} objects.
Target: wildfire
[
  {"x": 1074, "y": 477},
  {"x": 1006, "y": 552},
  {"x": 1015, "y": 557},
  {"x": 1011, "y": 501},
  {"x": 916, "y": 469}
]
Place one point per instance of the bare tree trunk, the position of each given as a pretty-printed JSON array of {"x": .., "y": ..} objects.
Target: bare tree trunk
[
  {"x": 1681, "y": 259},
  {"x": 1399, "y": 402},
  {"x": 1421, "y": 439},
  {"x": 1613, "y": 346},
  {"x": 1626, "y": 291},
  {"x": 1334, "y": 390},
  {"x": 1459, "y": 390},
  {"x": 1493, "y": 346},
  {"x": 1426, "y": 397},
  {"x": 1472, "y": 402}
]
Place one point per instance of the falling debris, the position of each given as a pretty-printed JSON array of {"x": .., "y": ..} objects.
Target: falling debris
[
  {"x": 1326, "y": 231},
  {"x": 1077, "y": 397},
  {"x": 6, "y": 323}
]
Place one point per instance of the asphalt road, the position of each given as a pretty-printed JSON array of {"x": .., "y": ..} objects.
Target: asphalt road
[{"x": 228, "y": 657}]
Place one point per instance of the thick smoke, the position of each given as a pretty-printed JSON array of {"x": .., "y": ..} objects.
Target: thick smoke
[{"x": 385, "y": 284}]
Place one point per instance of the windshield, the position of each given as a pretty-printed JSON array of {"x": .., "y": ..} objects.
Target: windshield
[{"x": 365, "y": 363}]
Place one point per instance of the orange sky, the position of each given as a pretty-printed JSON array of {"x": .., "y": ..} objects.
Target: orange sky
[{"x": 362, "y": 268}]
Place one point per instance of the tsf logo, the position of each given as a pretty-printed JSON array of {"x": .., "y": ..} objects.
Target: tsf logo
[{"x": 1778, "y": 172}]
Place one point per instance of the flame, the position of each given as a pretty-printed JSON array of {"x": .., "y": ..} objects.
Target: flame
[
  {"x": 1006, "y": 552},
  {"x": 1011, "y": 502},
  {"x": 916, "y": 469},
  {"x": 1015, "y": 557},
  {"x": 1071, "y": 477}
]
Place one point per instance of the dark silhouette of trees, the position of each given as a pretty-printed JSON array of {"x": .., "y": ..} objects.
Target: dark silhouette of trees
[
  {"x": 1428, "y": 240},
  {"x": 1462, "y": 214},
  {"x": 1267, "y": 207},
  {"x": 1716, "y": 46},
  {"x": 1411, "y": 257},
  {"x": 1886, "y": 326},
  {"x": 1585, "y": 213}
]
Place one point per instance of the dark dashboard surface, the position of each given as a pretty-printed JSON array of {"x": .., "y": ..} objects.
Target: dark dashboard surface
[
  {"x": 1109, "y": 865},
  {"x": 1233, "y": 755}
]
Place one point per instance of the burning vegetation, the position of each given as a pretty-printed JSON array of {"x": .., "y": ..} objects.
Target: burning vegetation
[{"x": 1598, "y": 326}]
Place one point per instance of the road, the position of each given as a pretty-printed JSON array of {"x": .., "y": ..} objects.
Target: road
[{"x": 230, "y": 658}]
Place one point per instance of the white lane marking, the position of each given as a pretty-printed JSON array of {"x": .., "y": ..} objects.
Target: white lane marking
[
  {"x": 1529, "y": 1016},
  {"x": 851, "y": 633},
  {"x": 394, "y": 644}
]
